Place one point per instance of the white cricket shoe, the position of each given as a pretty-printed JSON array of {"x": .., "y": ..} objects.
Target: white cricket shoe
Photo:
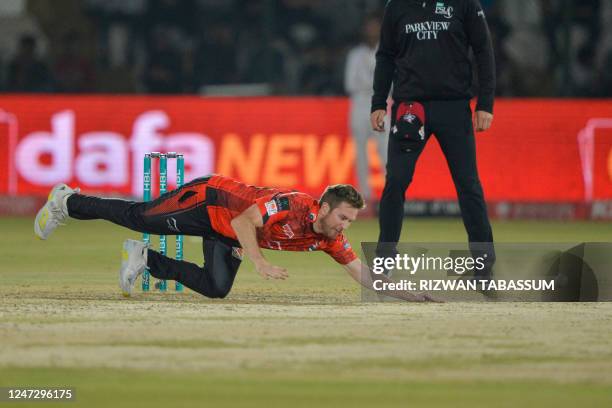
[
  {"x": 54, "y": 212},
  {"x": 133, "y": 263}
]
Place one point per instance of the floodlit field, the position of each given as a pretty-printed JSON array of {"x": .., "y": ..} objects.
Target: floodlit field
[{"x": 305, "y": 342}]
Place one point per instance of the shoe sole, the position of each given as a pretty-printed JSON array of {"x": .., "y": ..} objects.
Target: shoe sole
[
  {"x": 125, "y": 257},
  {"x": 40, "y": 222}
]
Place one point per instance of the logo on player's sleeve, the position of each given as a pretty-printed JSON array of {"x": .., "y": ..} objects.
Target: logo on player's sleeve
[
  {"x": 271, "y": 207},
  {"x": 347, "y": 245}
]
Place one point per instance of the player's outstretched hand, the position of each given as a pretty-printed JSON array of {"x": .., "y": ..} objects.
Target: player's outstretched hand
[
  {"x": 269, "y": 271},
  {"x": 423, "y": 297}
]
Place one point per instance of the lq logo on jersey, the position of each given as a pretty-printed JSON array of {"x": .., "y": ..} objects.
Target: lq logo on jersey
[{"x": 446, "y": 11}]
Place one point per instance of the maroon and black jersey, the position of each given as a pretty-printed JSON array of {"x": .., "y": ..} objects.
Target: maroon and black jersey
[{"x": 287, "y": 215}]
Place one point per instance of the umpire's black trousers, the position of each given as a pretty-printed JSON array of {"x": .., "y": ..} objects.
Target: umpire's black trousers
[
  {"x": 162, "y": 217},
  {"x": 451, "y": 123}
]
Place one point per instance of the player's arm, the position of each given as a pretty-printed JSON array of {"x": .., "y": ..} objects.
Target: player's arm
[
  {"x": 479, "y": 38},
  {"x": 244, "y": 226},
  {"x": 384, "y": 70},
  {"x": 362, "y": 274}
]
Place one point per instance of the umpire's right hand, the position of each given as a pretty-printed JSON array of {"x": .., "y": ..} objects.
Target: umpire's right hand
[{"x": 377, "y": 119}]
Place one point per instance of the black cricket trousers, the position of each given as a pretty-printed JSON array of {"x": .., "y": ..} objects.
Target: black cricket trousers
[
  {"x": 177, "y": 212},
  {"x": 451, "y": 123}
]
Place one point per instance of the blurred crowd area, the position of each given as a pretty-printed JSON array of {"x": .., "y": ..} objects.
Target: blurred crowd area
[{"x": 275, "y": 47}]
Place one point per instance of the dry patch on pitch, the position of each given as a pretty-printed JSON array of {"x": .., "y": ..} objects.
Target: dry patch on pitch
[{"x": 561, "y": 342}]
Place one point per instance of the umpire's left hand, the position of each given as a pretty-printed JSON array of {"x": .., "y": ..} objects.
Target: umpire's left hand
[{"x": 482, "y": 120}]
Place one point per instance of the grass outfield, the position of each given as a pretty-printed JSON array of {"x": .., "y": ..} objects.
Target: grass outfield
[{"x": 307, "y": 341}]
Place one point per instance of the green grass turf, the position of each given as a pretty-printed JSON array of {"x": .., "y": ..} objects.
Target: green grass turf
[
  {"x": 307, "y": 341},
  {"x": 105, "y": 388}
]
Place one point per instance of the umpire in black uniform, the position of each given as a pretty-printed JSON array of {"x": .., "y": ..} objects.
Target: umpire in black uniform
[{"x": 424, "y": 51}]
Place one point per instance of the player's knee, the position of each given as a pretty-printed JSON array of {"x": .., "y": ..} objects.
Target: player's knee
[
  {"x": 219, "y": 294},
  {"x": 220, "y": 290}
]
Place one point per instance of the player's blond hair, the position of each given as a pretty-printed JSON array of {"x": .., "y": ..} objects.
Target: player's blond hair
[{"x": 342, "y": 193}]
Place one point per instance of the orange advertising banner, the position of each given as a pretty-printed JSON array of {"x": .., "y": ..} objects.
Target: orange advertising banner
[{"x": 536, "y": 151}]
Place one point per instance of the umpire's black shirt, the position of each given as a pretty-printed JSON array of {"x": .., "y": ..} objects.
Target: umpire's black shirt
[{"x": 424, "y": 47}]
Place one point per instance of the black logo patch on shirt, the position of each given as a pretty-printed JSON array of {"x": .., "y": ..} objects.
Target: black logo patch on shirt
[{"x": 282, "y": 203}]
